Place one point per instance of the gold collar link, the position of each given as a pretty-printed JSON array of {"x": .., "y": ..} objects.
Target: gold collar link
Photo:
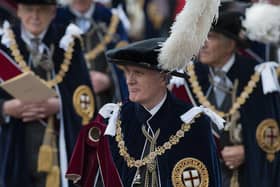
[
  {"x": 197, "y": 90},
  {"x": 160, "y": 150},
  {"x": 64, "y": 67}
]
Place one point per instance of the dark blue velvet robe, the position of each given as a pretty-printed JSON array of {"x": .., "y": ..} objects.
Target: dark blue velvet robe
[
  {"x": 198, "y": 142},
  {"x": 13, "y": 168},
  {"x": 256, "y": 171}
]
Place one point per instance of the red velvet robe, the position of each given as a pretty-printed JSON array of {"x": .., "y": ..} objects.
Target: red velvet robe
[{"x": 90, "y": 155}]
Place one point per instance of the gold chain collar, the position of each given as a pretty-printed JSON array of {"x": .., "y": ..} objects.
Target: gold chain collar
[
  {"x": 197, "y": 90},
  {"x": 91, "y": 55},
  {"x": 160, "y": 150},
  {"x": 64, "y": 67}
]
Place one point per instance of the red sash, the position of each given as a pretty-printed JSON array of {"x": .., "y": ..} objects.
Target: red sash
[{"x": 8, "y": 68}]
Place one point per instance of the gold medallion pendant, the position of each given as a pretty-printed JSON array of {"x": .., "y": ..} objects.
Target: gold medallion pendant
[
  {"x": 190, "y": 172},
  {"x": 83, "y": 102},
  {"x": 268, "y": 137}
]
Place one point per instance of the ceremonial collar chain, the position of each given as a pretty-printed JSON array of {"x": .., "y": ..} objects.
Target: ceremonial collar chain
[
  {"x": 64, "y": 67},
  {"x": 197, "y": 90},
  {"x": 92, "y": 54},
  {"x": 160, "y": 150}
]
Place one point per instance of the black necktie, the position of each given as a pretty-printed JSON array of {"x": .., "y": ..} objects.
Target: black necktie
[{"x": 35, "y": 43}]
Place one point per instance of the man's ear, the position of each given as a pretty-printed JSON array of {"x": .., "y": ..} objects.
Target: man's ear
[
  {"x": 232, "y": 45},
  {"x": 165, "y": 78}
]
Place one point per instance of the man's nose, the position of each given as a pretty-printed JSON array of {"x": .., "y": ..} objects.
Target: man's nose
[{"x": 130, "y": 78}]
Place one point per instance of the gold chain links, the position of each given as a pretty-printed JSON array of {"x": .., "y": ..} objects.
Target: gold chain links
[
  {"x": 64, "y": 67},
  {"x": 160, "y": 150},
  {"x": 248, "y": 89}
]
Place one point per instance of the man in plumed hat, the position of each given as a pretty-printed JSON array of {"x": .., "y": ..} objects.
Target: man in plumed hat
[
  {"x": 231, "y": 85},
  {"x": 37, "y": 136},
  {"x": 154, "y": 144},
  {"x": 155, "y": 139}
]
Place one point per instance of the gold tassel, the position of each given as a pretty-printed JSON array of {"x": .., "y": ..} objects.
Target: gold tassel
[
  {"x": 45, "y": 158},
  {"x": 234, "y": 179},
  {"x": 53, "y": 178}
]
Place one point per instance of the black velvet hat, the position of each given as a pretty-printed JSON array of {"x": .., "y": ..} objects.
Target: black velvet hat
[
  {"x": 143, "y": 54},
  {"x": 235, "y": 6},
  {"x": 230, "y": 24},
  {"x": 37, "y": 2}
]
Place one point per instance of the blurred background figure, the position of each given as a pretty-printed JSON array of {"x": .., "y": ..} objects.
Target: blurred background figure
[
  {"x": 225, "y": 80},
  {"x": 39, "y": 135},
  {"x": 148, "y": 18},
  {"x": 102, "y": 30}
]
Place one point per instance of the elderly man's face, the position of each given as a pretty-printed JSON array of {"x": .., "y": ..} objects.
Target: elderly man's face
[
  {"x": 36, "y": 18},
  {"x": 217, "y": 50},
  {"x": 145, "y": 86}
]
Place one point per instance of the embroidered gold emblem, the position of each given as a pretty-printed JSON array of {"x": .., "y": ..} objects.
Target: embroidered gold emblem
[
  {"x": 94, "y": 134},
  {"x": 83, "y": 101},
  {"x": 190, "y": 172},
  {"x": 268, "y": 137}
]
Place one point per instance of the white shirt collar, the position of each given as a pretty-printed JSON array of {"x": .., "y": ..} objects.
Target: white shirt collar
[
  {"x": 87, "y": 14},
  {"x": 156, "y": 108},
  {"x": 229, "y": 64}
]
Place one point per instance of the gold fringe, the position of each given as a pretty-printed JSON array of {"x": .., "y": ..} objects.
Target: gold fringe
[
  {"x": 53, "y": 178},
  {"x": 234, "y": 179},
  {"x": 45, "y": 158}
]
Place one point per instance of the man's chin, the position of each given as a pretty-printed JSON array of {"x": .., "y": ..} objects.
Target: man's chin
[{"x": 133, "y": 98}]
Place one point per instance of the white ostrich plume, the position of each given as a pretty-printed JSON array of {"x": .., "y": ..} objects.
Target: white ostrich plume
[
  {"x": 262, "y": 23},
  {"x": 188, "y": 33}
]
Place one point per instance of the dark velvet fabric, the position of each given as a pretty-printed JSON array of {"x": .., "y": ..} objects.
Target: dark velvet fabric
[
  {"x": 89, "y": 156},
  {"x": 256, "y": 171},
  {"x": 13, "y": 170},
  {"x": 198, "y": 142}
]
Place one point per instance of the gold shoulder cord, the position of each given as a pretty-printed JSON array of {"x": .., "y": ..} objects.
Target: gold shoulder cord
[
  {"x": 160, "y": 150},
  {"x": 91, "y": 55},
  {"x": 197, "y": 90},
  {"x": 64, "y": 67}
]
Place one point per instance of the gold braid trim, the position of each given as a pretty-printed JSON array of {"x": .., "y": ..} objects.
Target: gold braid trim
[
  {"x": 92, "y": 54},
  {"x": 160, "y": 150},
  {"x": 197, "y": 90},
  {"x": 64, "y": 67}
]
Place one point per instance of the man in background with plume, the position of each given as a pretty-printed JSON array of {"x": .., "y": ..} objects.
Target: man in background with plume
[{"x": 236, "y": 89}]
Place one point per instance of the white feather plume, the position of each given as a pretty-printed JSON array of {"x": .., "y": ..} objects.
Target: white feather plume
[
  {"x": 262, "y": 23},
  {"x": 188, "y": 33}
]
